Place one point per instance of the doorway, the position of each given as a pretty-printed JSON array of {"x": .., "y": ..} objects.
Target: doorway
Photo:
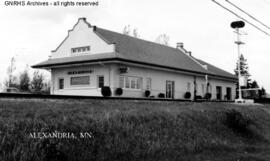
[
  {"x": 229, "y": 93},
  {"x": 219, "y": 92},
  {"x": 170, "y": 89}
]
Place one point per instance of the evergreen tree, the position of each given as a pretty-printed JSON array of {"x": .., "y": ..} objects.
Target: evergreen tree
[
  {"x": 255, "y": 93},
  {"x": 24, "y": 80},
  {"x": 254, "y": 84},
  {"x": 263, "y": 92},
  {"x": 244, "y": 70}
]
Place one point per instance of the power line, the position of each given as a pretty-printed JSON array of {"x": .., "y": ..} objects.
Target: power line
[
  {"x": 241, "y": 18},
  {"x": 247, "y": 14}
]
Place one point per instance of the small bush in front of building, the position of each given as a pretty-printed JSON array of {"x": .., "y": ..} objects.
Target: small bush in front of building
[
  {"x": 119, "y": 91},
  {"x": 106, "y": 91},
  {"x": 161, "y": 95},
  {"x": 187, "y": 95},
  {"x": 198, "y": 97},
  {"x": 238, "y": 122},
  {"x": 208, "y": 96},
  {"x": 147, "y": 93}
]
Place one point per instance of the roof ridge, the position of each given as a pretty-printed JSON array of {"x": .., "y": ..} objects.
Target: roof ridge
[
  {"x": 138, "y": 38},
  {"x": 154, "y": 43},
  {"x": 212, "y": 65}
]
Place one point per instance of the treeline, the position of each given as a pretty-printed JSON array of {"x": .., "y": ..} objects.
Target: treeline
[{"x": 24, "y": 83}]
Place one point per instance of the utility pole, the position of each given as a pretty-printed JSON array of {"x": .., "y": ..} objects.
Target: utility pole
[{"x": 237, "y": 25}]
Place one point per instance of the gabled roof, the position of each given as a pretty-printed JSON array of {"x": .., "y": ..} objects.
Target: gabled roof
[{"x": 136, "y": 50}]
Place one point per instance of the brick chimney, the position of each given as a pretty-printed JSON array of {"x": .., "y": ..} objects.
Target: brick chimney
[{"x": 179, "y": 45}]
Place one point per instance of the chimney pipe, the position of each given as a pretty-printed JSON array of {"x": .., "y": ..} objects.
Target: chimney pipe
[
  {"x": 189, "y": 53},
  {"x": 179, "y": 45}
]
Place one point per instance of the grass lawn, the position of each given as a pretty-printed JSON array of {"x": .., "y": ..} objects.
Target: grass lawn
[{"x": 133, "y": 130}]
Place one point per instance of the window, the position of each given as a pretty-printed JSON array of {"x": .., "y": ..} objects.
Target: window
[
  {"x": 80, "y": 49},
  {"x": 127, "y": 82},
  {"x": 61, "y": 83},
  {"x": 133, "y": 83},
  {"x": 83, "y": 80},
  {"x": 100, "y": 81},
  {"x": 130, "y": 82},
  {"x": 148, "y": 83},
  {"x": 188, "y": 86}
]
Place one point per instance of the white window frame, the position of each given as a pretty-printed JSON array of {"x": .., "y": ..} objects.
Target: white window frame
[
  {"x": 127, "y": 82},
  {"x": 98, "y": 76},
  {"x": 59, "y": 83},
  {"x": 74, "y": 85},
  {"x": 81, "y": 49}
]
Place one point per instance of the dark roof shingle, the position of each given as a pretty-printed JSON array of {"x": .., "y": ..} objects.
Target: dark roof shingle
[
  {"x": 135, "y": 49},
  {"x": 217, "y": 71}
]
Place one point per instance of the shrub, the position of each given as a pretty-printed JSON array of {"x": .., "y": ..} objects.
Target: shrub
[
  {"x": 208, "y": 96},
  {"x": 119, "y": 91},
  {"x": 187, "y": 95},
  {"x": 237, "y": 121},
  {"x": 106, "y": 91},
  {"x": 147, "y": 93},
  {"x": 198, "y": 97},
  {"x": 161, "y": 95}
]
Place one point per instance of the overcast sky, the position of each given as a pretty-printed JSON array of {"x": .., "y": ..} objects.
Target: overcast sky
[{"x": 30, "y": 33}]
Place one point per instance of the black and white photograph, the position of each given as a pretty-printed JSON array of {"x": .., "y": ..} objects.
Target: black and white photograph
[{"x": 128, "y": 80}]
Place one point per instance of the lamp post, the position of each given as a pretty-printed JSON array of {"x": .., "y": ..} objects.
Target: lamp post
[{"x": 237, "y": 25}]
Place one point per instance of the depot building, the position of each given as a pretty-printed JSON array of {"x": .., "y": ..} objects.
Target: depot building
[{"x": 91, "y": 57}]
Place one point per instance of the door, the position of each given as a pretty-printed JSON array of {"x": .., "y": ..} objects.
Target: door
[
  {"x": 100, "y": 81},
  {"x": 219, "y": 92},
  {"x": 169, "y": 89},
  {"x": 229, "y": 93}
]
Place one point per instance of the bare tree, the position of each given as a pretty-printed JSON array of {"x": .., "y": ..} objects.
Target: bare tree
[
  {"x": 126, "y": 30},
  {"x": 135, "y": 33},
  {"x": 11, "y": 81},
  {"x": 163, "y": 39}
]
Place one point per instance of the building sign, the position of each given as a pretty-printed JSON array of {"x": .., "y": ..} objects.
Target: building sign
[
  {"x": 123, "y": 69},
  {"x": 82, "y": 80},
  {"x": 79, "y": 72}
]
